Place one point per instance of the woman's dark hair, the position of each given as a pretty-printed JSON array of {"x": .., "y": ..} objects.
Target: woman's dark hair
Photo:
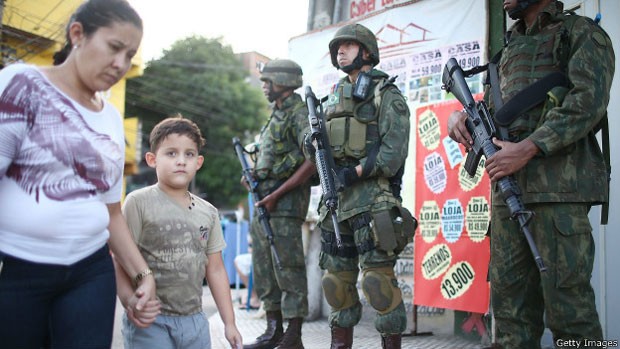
[{"x": 95, "y": 14}]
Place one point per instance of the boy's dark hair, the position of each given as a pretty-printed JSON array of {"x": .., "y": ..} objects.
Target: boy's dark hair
[
  {"x": 95, "y": 14},
  {"x": 175, "y": 124}
]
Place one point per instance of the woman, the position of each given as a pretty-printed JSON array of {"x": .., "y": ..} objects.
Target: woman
[{"x": 61, "y": 163}]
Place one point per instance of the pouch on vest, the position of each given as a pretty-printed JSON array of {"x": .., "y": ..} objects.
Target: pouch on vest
[
  {"x": 356, "y": 145},
  {"x": 340, "y": 102},
  {"x": 404, "y": 228},
  {"x": 383, "y": 231},
  {"x": 336, "y": 131}
]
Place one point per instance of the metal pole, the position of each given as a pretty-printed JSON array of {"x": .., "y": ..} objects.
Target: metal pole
[{"x": 239, "y": 216}]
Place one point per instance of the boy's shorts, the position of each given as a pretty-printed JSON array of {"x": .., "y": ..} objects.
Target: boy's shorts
[
  {"x": 187, "y": 332},
  {"x": 244, "y": 263}
]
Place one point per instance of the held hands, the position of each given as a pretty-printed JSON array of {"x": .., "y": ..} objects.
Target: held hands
[
  {"x": 146, "y": 316},
  {"x": 143, "y": 306}
]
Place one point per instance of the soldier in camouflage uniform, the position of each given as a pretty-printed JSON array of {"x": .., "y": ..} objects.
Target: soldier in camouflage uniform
[
  {"x": 368, "y": 128},
  {"x": 282, "y": 173},
  {"x": 553, "y": 154}
]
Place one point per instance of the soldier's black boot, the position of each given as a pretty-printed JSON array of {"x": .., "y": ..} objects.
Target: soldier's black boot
[
  {"x": 292, "y": 336},
  {"x": 391, "y": 341},
  {"x": 273, "y": 332},
  {"x": 342, "y": 337}
]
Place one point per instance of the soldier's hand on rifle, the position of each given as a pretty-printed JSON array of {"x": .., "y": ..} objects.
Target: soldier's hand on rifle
[
  {"x": 309, "y": 145},
  {"x": 245, "y": 183},
  {"x": 510, "y": 158},
  {"x": 347, "y": 175},
  {"x": 457, "y": 129},
  {"x": 269, "y": 202}
]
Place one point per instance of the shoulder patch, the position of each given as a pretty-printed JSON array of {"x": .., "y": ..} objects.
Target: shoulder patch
[
  {"x": 599, "y": 39},
  {"x": 400, "y": 106}
]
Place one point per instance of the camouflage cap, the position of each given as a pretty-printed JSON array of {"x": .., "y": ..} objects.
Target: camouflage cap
[
  {"x": 358, "y": 33},
  {"x": 282, "y": 72}
]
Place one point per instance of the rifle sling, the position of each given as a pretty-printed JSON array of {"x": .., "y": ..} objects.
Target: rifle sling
[
  {"x": 494, "y": 81},
  {"x": 607, "y": 155},
  {"x": 528, "y": 98}
]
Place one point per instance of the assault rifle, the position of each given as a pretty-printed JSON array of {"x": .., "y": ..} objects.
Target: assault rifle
[
  {"x": 324, "y": 161},
  {"x": 263, "y": 215},
  {"x": 482, "y": 130}
]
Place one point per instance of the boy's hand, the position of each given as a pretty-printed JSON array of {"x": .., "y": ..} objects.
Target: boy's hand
[
  {"x": 233, "y": 336},
  {"x": 145, "y": 317}
]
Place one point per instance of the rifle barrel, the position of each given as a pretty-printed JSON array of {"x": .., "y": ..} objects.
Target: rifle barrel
[{"x": 263, "y": 215}]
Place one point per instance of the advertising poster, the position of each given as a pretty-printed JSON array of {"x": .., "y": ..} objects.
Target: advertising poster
[{"x": 451, "y": 245}]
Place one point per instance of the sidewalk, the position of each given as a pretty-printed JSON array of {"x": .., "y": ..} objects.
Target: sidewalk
[{"x": 315, "y": 334}]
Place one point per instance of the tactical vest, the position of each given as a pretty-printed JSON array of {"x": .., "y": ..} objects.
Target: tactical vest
[
  {"x": 352, "y": 123},
  {"x": 285, "y": 156},
  {"x": 538, "y": 56}
]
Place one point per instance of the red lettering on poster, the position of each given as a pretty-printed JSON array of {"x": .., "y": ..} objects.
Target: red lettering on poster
[{"x": 362, "y": 7}]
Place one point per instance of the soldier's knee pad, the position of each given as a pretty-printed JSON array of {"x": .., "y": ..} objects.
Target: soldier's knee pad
[
  {"x": 339, "y": 289},
  {"x": 381, "y": 289}
]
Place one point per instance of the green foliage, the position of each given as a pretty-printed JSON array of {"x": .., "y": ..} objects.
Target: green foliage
[{"x": 204, "y": 81}]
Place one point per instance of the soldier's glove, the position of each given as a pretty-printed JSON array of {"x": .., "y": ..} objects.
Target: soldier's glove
[
  {"x": 347, "y": 176},
  {"x": 309, "y": 147}
]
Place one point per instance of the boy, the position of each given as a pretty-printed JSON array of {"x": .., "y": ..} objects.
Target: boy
[{"x": 180, "y": 237}]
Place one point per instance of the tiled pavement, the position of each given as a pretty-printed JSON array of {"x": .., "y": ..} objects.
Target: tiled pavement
[{"x": 315, "y": 334}]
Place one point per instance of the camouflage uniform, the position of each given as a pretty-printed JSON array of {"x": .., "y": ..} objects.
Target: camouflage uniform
[
  {"x": 559, "y": 185},
  {"x": 279, "y": 156},
  {"x": 381, "y": 149}
]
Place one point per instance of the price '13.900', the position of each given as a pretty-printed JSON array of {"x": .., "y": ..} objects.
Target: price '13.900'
[{"x": 457, "y": 280}]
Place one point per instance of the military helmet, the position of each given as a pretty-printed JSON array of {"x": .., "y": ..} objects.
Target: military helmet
[
  {"x": 358, "y": 33},
  {"x": 283, "y": 72}
]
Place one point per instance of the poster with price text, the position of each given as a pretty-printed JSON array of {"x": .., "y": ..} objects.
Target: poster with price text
[{"x": 453, "y": 210}]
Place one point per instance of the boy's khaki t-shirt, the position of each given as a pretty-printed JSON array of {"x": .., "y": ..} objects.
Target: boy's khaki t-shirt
[{"x": 175, "y": 241}]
